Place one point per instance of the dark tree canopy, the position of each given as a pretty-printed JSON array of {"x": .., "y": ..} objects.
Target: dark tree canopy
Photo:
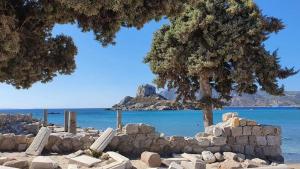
[
  {"x": 28, "y": 51},
  {"x": 217, "y": 45}
]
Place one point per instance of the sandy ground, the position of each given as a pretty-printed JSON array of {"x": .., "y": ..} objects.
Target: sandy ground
[{"x": 294, "y": 166}]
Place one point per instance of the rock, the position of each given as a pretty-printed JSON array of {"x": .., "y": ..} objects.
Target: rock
[
  {"x": 219, "y": 157},
  {"x": 203, "y": 141},
  {"x": 251, "y": 123},
  {"x": 72, "y": 166},
  {"x": 146, "y": 129},
  {"x": 230, "y": 156},
  {"x": 257, "y": 131},
  {"x": 247, "y": 130},
  {"x": 217, "y": 131},
  {"x": 5, "y": 159},
  {"x": 22, "y": 164},
  {"x": 242, "y": 140},
  {"x": 243, "y": 122},
  {"x": 76, "y": 154},
  {"x": 209, "y": 130},
  {"x": 175, "y": 165},
  {"x": 151, "y": 159},
  {"x": 146, "y": 90},
  {"x": 230, "y": 164},
  {"x": 42, "y": 162},
  {"x": 218, "y": 141},
  {"x": 168, "y": 161},
  {"x": 274, "y": 140},
  {"x": 240, "y": 157},
  {"x": 120, "y": 158},
  {"x": 227, "y": 116},
  {"x": 259, "y": 161},
  {"x": 131, "y": 129},
  {"x": 193, "y": 165},
  {"x": 208, "y": 157},
  {"x": 236, "y": 131},
  {"x": 235, "y": 122},
  {"x": 192, "y": 157},
  {"x": 261, "y": 140},
  {"x": 85, "y": 160},
  {"x": 126, "y": 100},
  {"x": 213, "y": 166}
]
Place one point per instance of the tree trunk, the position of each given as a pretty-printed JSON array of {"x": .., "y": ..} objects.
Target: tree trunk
[{"x": 206, "y": 93}]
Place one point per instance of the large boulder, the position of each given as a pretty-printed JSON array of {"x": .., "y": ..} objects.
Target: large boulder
[
  {"x": 146, "y": 91},
  {"x": 42, "y": 162}
]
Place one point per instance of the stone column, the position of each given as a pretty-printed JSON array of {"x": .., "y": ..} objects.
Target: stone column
[
  {"x": 45, "y": 117},
  {"x": 66, "y": 116},
  {"x": 72, "y": 123},
  {"x": 119, "y": 119}
]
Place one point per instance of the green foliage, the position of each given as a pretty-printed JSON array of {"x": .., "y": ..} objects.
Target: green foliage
[
  {"x": 221, "y": 40},
  {"x": 28, "y": 51}
]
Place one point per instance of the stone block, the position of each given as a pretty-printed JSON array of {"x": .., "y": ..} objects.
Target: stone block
[
  {"x": 209, "y": 129},
  {"x": 274, "y": 140},
  {"x": 243, "y": 122},
  {"x": 168, "y": 161},
  {"x": 217, "y": 131},
  {"x": 214, "y": 149},
  {"x": 261, "y": 140},
  {"x": 227, "y": 131},
  {"x": 5, "y": 159},
  {"x": 192, "y": 165},
  {"x": 226, "y": 148},
  {"x": 218, "y": 141},
  {"x": 174, "y": 165},
  {"x": 242, "y": 140},
  {"x": 146, "y": 129},
  {"x": 72, "y": 166},
  {"x": 227, "y": 116},
  {"x": 85, "y": 160},
  {"x": 235, "y": 122},
  {"x": 219, "y": 157},
  {"x": 203, "y": 141},
  {"x": 39, "y": 142},
  {"x": 230, "y": 156},
  {"x": 231, "y": 140},
  {"x": 17, "y": 164},
  {"x": 42, "y": 162},
  {"x": 230, "y": 164},
  {"x": 252, "y": 140},
  {"x": 257, "y": 131},
  {"x": 268, "y": 130},
  {"x": 247, "y": 130},
  {"x": 192, "y": 157},
  {"x": 120, "y": 158},
  {"x": 249, "y": 150},
  {"x": 238, "y": 148},
  {"x": 100, "y": 144},
  {"x": 131, "y": 128},
  {"x": 251, "y": 123},
  {"x": 208, "y": 157},
  {"x": 272, "y": 150},
  {"x": 151, "y": 159},
  {"x": 236, "y": 131},
  {"x": 4, "y": 167},
  {"x": 114, "y": 165}
]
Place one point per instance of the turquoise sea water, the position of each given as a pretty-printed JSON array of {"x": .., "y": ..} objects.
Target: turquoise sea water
[{"x": 186, "y": 122}]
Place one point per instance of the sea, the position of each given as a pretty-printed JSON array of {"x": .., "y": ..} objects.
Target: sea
[{"x": 185, "y": 122}]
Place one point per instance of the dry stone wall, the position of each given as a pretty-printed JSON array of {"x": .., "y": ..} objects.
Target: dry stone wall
[{"x": 234, "y": 134}]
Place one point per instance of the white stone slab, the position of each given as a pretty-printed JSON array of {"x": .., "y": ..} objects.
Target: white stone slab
[
  {"x": 39, "y": 142},
  {"x": 174, "y": 165},
  {"x": 192, "y": 157},
  {"x": 120, "y": 158},
  {"x": 168, "y": 161},
  {"x": 73, "y": 155},
  {"x": 43, "y": 162},
  {"x": 4, "y": 167},
  {"x": 85, "y": 160},
  {"x": 105, "y": 138},
  {"x": 280, "y": 166},
  {"x": 114, "y": 165},
  {"x": 72, "y": 166}
]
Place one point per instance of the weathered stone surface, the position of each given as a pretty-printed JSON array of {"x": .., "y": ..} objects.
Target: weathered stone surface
[
  {"x": 131, "y": 128},
  {"x": 240, "y": 157},
  {"x": 192, "y": 157},
  {"x": 249, "y": 150},
  {"x": 17, "y": 164},
  {"x": 4, "y": 167},
  {"x": 242, "y": 140},
  {"x": 203, "y": 141},
  {"x": 243, "y": 122},
  {"x": 39, "y": 142},
  {"x": 146, "y": 90},
  {"x": 5, "y": 159},
  {"x": 237, "y": 131},
  {"x": 85, "y": 160},
  {"x": 42, "y": 162},
  {"x": 251, "y": 123},
  {"x": 209, "y": 130},
  {"x": 100, "y": 144},
  {"x": 75, "y": 154},
  {"x": 227, "y": 131},
  {"x": 193, "y": 165},
  {"x": 114, "y": 165},
  {"x": 238, "y": 148},
  {"x": 257, "y": 131},
  {"x": 208, "y": 157},
  {"x": 146, "y": 129},
  {"x": 274, "y": 140},
  {"x": 261, "y": 140},
  {"x": 120, "y": 158},
  {"x": 151, "y": 159},
  {"x": 227, "y": 116},
  {"x": 219, "y": 157},
  {"x": 218, "y": 141},
  {"x": 247, "y": 130},
  {"x": 259, "y": 161},
  {"x": 230, "y": 164},
  {"x": 230, "y": 155},
  {"x": 175, "y": 165},
  {"x": 235, "y": 122},
  {"x": 168, "y": 161},
  {"x": 72, "y": 166},
  {"x": 217, "y": 131},
  {"x": 268, "y": 130},
  {"x": 271, "y": 150}
]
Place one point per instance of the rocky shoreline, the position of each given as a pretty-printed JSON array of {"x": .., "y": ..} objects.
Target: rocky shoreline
[{"x": 233, "y": 143}]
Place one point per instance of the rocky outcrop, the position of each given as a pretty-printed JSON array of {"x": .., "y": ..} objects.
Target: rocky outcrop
[{"x": 146, "y": 91}]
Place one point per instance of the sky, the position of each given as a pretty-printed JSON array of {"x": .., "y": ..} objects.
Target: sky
[{"x": 106, "y": 75}]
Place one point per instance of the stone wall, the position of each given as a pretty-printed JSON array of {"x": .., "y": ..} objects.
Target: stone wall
[
  {"x": 12, "y": 118},
  {"x": 234, "y": 134}
]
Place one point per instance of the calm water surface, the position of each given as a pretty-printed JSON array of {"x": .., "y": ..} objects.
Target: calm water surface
[{"x": 186, "y": 122}]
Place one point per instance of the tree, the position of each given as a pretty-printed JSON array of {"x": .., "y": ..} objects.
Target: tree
[
  {"x": 217, "y": 45},
  {"x": 28, "y": 51}
]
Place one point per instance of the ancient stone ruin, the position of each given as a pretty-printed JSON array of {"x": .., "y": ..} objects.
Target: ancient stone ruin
[{"x": 233, "y": 142}]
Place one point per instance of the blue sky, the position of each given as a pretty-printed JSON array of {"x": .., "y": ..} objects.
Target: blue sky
[{"x": 105, "y": 75}]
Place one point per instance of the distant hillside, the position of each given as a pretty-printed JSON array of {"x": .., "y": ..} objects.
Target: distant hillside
[{"x": 261, "y": 98}]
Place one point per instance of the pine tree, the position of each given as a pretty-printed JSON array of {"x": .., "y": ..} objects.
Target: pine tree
[{"x": 217, "y": 45}]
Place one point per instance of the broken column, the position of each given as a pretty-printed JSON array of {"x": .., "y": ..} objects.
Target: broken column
[
  {"x": 45, "y": 118},
  {"x": 105, "y": 138},
  {"x": 66, "y": 124},
  {"x": 119, "y": 119},
  {"x": 72, "y": 125},
  {"x": 39, "y": 142}
]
